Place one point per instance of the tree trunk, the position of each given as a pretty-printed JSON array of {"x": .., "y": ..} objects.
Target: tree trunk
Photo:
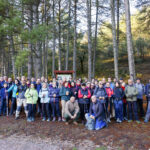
[
  {"x": 112, "y": 5},
  {"x": 88, "y": 2},
  {"x": 54, "y": 41},
  {"x": 59, "y": 36},
  {"x": 129, "y": 41},
  {"x": 68, "y": 35},
  {"x": 95, "y": 40},
  {"x": 75, "y": 39}
]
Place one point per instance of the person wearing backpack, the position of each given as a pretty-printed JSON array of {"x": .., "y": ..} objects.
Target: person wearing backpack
[
  {"x": 131, "y": 93},
  {"x": 141, "y": 91},
  {"x": 31, "y": 95},
  {"x": 21, "y": 100},
  {"x": 45, "y": 102},
  {"x": 147, "y": 93},
  {"x": 14, "y": 89},
  {"x": 54, "y": 101},
  {"x": 118, "y": 102}
]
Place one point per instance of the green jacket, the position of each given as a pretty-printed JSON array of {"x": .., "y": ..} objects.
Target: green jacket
[
  {"x": 31, "y": 96},
  {"x": 131, "y": 93}
]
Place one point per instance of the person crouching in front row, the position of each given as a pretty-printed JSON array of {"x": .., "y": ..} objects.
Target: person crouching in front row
[
  {"x": 72, "y": 111},
  {"x": 96, "y": 116}
]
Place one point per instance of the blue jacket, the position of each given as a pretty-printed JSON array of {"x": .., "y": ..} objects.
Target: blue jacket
[
  {"x": 38, "y": 87},
  {"x": 118, "y": 93},
  {"x": 21, "y": 91},
  {"x": 147, "y": 90},
  {"x": 53, "y": 91},
  {"x": 3, "y": 93},
  {"x": 63, "y": 95},
  {"x": 14, "y": 89},
  {"x": 100, "y": 92},
  {"x": 141, "y": 90},
  {"x": 97, "y": 110}
]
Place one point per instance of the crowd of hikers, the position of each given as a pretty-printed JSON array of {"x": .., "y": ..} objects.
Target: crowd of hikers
[{"x": 93, "y": 103}]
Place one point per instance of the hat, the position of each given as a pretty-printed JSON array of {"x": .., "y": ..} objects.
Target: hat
[{"x": 83, "y": 84}]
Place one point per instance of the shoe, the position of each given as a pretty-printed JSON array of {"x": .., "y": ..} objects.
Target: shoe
[
  {"x": 63, "y": 119},
  {"x": 59, "y": 119},
  {"x": 125, "y": 119},
  {"x": 119, "y": 121},
  {"x": 16, "y": 118},
  {"x": 67, "y": 123},
  {"x": 32, "y": 119},
  {"x": 137, "y": 121},
  {"x": 54, "y": 119},
  {"x": 29, "y": 120},
  {"x": 145, "y": 121},
  {"x": 48, "y": 120},
  {"x": 75, "y": 123},
  {"x": 129, "y": 121},
  {"x": 44, "y": 119},
  {"x": 108, "y": 120}
]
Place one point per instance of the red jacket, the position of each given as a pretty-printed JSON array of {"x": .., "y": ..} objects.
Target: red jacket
[
  {"x": 124, "y": 99},
  {"x": 109, "y": 92}
]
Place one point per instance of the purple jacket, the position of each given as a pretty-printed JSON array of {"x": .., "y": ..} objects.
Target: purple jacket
[{"x": 53, "y": 91}]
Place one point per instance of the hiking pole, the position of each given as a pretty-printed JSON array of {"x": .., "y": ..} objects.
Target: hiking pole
[{"x": 7, "y": 102}]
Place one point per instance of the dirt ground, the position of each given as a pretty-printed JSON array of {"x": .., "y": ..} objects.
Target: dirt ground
[{"x": 20, "y": 135}]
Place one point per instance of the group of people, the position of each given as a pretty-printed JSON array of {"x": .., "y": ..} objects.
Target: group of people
[{"x": 93, "y": 103}]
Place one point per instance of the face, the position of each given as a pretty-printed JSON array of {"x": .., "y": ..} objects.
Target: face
[
  {"x": 121, "y": 81},
  {"x": 5, "y": 78},
  {"x": 72, "y": 99},
  {"x": 38, "y": 80},
  {"x": 44, "y": 85},
  {"x": 92, "y": 85},
  {"x": 117, "y": 84},
  {"x": 9, "y": 80},
  {"x": 18, "y": 78},
  {"x": 23, "y": 78},
  {"x": 5, "y": 85},
  {"x": 107, "y": 84},
  {"x": 32, "y": 79},
  {"x": 16, "y": 82},
  {"x": 103, "y": 80},
  {"x": 109, "y": 80},
  {"x": 83, "y": 87},
  {"x": 88, "y": 85},
  {"x": 100, "y": 84},
  {"x": 78, "y": 82},
  {"x": 54, "y": 84},
  {"x": 130, "y": 82},
  {"x": 42, "y": 79},
  {"x": 32, "y": 86},
  {"x": 93, "y": 99},
  {"x": 115, "y": 79},
  {"x": 72, "y": 84},
  {"x": 138, "y": 81},
  {"x": 23, "y": 81},
  {"x": 66, "y": 84}
]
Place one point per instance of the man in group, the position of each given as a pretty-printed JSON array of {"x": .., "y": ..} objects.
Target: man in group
[{"x": 72, "y": 111}]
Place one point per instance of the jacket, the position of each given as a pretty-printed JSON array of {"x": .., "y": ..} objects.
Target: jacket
[
  {"x": 118, "y": 93},
  {"x": 38, "y": 87},
  {"x": 141, "y": 90},
  {"x": 31, "y": 96},
  {"x": 63, "y": 95},
  {"x": 53, "y": 91},
  {"x": 71, "y": 108},
  {"x": 147, "y": 90},
  {"x": 81, "y": 94},
  {"x": 131, "y": 93},
  {"x": 14, "y": 89},
  {"x": 44, "y": 99},
  {"x": 109, "y": 91},
  {"x": 21, "y": 91},
  {"x": 97, "y": 110},
  {"x": 3, "y": 93}
]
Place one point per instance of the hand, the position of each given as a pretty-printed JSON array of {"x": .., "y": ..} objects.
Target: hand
[
  {"x": 92, "y": 117},
  {"x": 103, "y": 98},
  {"x": 72, "y": 117},
  {"x": 85, "y": 96},
  {"x": 75, "y": 116},
  {"x": 54, "y": 95},
  {"x": 67, "y": 93}
]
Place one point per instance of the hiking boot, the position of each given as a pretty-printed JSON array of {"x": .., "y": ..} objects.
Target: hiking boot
[
  {"x": 137, "y": 121},
  {"x": 48, "y": 120},
  {"x": 63, "y": 119},
  {"x": 129, "y": 121},
  {"x": 119, "y": 121},
  {"x": 32, "y": 119},
  {"x": 108, "y": 120},
  {"x": 16, "y": 118},
  {"x": 75, "y": 123},
  {"x": 44, "y": 119},
  {"x": 59, "y": 119},
  {"x": 54, "y": 119}
]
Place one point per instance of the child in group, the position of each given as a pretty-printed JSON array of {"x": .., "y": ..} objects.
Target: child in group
[
  {"x": 32, "y": 97},
  {"x": 45, "y": 101},
  {"x": 3, "y": 103}
]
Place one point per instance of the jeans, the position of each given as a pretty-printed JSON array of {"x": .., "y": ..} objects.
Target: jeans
[
  {"x": 31, "y": 110},
  {"x": 147, "y": 117},
  {"x": 3, "y": 107},
  {"x": 140, "y": 107},
  {"x": 45, "y": 110},
  {"x": 55, "y": 109},
  {"x": 118, "y": 104},
  {"x": 13, "y": 105},
  {"x": 21, "y": 102},
  {"x": 109, "y": 104},
  {"x": 132, "y": 108}
]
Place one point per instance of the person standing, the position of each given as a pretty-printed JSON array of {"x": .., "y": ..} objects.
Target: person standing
[{"x": 131, "y": 93}]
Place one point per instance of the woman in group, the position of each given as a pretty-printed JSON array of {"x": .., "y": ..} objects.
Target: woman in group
[
  {"x": 54, "y": 101},
  {"x": 118, "y": 102},
  {"x": 84, "y": 96},
  {"x": 73, "y": 90},
  {"x": 95, "y": 118},
  {"x": 65, "y": 94},
  {"x": 32, "y": 98},
  {"x": 14, "y": 89},
  {"x": 45, "y": 102}
]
